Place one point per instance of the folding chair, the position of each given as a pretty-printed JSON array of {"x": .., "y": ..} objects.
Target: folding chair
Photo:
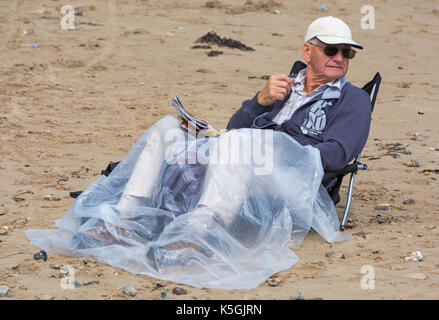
[{"x": 332, "y": 179}]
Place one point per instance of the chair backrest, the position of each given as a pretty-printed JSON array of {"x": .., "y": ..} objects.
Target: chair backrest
[
  {"x": 372, "y": 88},
  {"x": 332, "y": 180}
]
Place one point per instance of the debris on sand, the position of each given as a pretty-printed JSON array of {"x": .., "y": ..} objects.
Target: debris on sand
[
  {"x": 213, "y": 38},
  {"x": 414, "y": 256},
  {"x": 41, "y": 255},
  {"x": 379, "y": 219},
  {"x": 214, "y": 53},
  {"x": 198, "y": 46}
]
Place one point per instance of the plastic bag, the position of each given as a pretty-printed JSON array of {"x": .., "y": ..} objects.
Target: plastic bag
[{"x": 220, "y": 212}]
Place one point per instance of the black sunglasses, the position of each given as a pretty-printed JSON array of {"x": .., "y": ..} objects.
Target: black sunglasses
[{"x": 331, "y": 51}]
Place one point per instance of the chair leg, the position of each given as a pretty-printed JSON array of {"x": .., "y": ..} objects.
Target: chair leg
[{"x": 348, "y": 202}]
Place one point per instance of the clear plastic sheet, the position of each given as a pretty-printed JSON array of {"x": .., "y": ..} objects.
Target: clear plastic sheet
[{"x": 220, "y": 212}]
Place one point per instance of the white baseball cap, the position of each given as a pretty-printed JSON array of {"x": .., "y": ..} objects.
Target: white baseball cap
[{"x": 331, "y": 30}]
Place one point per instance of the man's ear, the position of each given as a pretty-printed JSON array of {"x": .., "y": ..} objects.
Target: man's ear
[{"x": 306, "y": 52}]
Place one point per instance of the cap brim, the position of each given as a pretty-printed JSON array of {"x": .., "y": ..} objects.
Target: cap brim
[{"x": 338, "y": 40}]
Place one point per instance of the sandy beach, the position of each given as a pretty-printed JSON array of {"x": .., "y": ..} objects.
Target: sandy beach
[{"x": 73, "y": 100}]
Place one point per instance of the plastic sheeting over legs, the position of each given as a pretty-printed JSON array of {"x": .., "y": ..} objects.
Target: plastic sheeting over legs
[{"x": 220, "y": 212}]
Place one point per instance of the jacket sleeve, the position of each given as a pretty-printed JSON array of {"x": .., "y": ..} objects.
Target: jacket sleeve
[
  {"x": 347, "y": 133},
  {"x": 250, "y": 109}
]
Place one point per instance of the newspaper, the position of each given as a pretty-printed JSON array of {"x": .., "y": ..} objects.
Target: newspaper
[{"x": 191, "y": 123}]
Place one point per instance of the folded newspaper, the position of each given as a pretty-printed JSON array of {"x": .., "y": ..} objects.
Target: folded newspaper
[{"x": 192, "y": 123}]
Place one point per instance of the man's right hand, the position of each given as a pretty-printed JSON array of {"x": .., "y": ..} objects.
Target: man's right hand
[{"x": 276, "y": 88}]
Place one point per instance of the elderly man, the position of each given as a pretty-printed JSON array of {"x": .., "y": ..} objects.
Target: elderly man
[
  {"x": 220, "y": 223},
  {"x": 317, "y": 106}
]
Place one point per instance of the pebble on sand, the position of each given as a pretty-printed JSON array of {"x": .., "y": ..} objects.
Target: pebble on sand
[
  {"x": 412, "y": 163},
  {"x": 179, "y": 291},
  {"x": 4, "y": 291},
  {"x": 408, "y": 201},
  {"x": 129, "y": 290},
  {"x": 274, "y": 282}
]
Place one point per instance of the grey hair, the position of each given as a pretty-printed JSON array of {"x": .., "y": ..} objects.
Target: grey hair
[{"x": 314, "y": 40}]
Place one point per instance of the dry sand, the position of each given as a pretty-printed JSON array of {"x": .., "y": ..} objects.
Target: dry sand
[{"x": 85, "y": 96}]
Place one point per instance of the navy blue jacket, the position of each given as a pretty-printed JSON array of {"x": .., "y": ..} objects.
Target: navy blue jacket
[{"x": 337, "y": 123}]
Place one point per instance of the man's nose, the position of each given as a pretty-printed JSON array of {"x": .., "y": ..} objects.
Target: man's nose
[{"x": 338, "y": 57}]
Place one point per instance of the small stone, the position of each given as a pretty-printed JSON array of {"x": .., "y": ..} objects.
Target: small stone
[
  {"x": 4, "y": 231},
  {"x": 416, "y": 276},
  {"x": 20, "y": 222},
  {"x": 298, "y": 296},
  {"x": 179, "y": 291},
  {"x": 4, "y": 291},
  {"x": 164, "y": 294},
  {"x": 79, "y": 12},
  {"x": 412, "y": 163},
  {"x": 338, "y": 255},
  {"x": 2, "y": 204},
  {"x": 420, "y": 112},
  {"x": 408, "y": 201},
  {"x": 159, "y": 285},
  {"x": 274, "y": 282},
  {"x": 129, "y": 290},
  {"x": 32, "y": 45},
  {"x": 382, "y": 208},
  {"x": 275, "y": 11},
  {"x": 42, "y": 255},
  {"x": 77, "y": 284},
  {"x": 323, "y": 8}
]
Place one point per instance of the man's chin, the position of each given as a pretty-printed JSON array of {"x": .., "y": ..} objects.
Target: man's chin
[{"x": 334, "y": 73}]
